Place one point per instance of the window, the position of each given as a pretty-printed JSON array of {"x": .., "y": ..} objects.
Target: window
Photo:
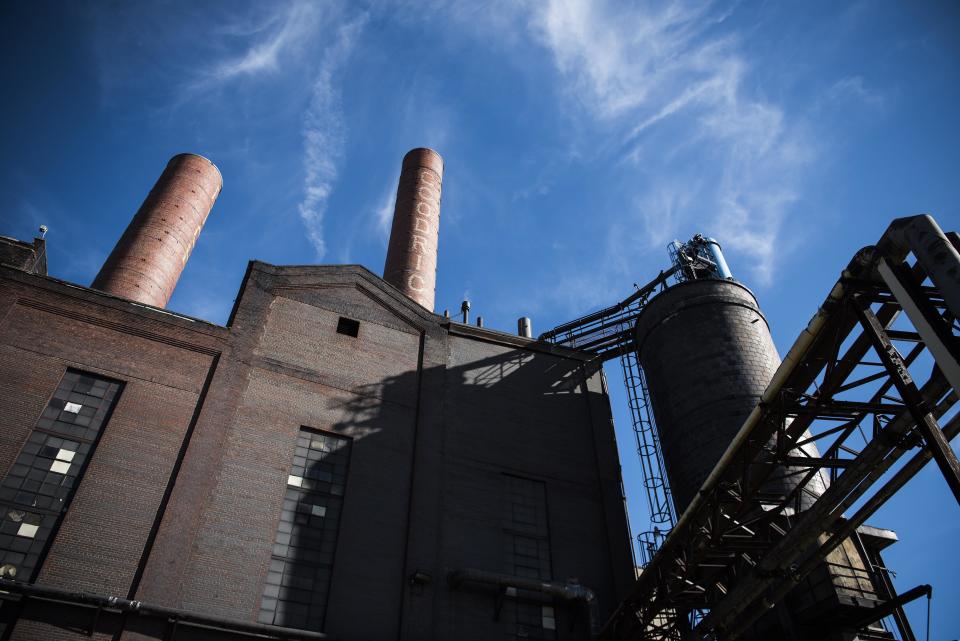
[
  {"x": 527, "y": 540},
  {"x": 38, "y": 487},
  {"x": 549, "y": 620},
  {"x": 348, "y": 326},
  {"x": 298, "y": 579}
]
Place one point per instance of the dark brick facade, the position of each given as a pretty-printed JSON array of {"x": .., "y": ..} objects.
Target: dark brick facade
[{"x": 180, "y": 504}]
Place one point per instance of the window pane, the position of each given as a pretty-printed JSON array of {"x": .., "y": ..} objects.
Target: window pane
[
  {"x": 527, "y": 554},
  {"x": 296, "y": 590},
  {"x": 38, "y": 486}
]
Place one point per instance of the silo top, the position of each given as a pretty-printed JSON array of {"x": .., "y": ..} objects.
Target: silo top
[{"x": 690, "y": 294}]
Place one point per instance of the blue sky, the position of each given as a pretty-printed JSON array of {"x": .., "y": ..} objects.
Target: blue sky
[{"x": 579, "y": 138}]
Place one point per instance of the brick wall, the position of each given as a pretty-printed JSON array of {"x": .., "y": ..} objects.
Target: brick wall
[
  {"x": 437, "y": 414},
  {"x": 47, "y": 328}
]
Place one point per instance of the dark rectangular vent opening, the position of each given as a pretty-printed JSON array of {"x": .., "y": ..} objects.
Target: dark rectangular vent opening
[{"x": 348, "y": 326}]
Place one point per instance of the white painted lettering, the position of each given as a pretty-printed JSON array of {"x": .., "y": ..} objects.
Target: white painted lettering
[
  {"x": 415, "y": 282},
  {"x": 416, "y": 243},
  {"x": 422, "y": 225}
]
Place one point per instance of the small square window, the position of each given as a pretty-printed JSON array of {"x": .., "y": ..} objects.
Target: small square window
[
  {"x": 28, "y": 530},
  {"x": 65, "y": 455},
  {"x": 295, "y": 480},
  {"x": 346, "y": 326},
  {"x": 318, "y": 510},
  {"x": 72, "y": 407}
]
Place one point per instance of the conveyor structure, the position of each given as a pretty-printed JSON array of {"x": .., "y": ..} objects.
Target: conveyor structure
[{"x": 871, "y": 380}]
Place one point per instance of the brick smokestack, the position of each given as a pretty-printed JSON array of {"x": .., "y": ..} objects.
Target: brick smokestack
[
  {"x": 411, "y": 263},
  {"x": 148, "y": 259}
]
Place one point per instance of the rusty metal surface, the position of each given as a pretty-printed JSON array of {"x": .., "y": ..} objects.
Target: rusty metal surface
[
  {"x": 411, "y": 264},
  {"x": 147, "y": 261}
]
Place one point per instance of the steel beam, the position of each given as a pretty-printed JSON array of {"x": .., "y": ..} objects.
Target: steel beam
[
  {"x": 933, "y": 436},
  {"x": 930, "y": 325},
  {"x": 731, "y": 613},
  {"x": 849, "y": 526},
  {"x": 934, "y": 251},
  {"x": 889, "y": 607},
  {"x": 743, "y": 547}
]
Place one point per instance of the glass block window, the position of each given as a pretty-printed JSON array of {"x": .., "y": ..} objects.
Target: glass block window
[
  {"x": 298, "y": 579},
  {"x": 527, "y": 554},
  {"x": 38, "y": 487}
]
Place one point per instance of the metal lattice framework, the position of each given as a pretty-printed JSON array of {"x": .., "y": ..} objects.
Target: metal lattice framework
[
  {"x": 846, "y": 386},
  {"x": 867, "y": 381}
]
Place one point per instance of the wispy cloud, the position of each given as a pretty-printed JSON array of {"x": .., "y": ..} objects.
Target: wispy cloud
[
  {"x": 667, "y": 78},
  {"x": 426, "y": 120},
  {"x": 854, "y": 88},
  {"x": 283, "y": 44},
  {"x": 620, "y": 59},
  {"x": 273, "y": 35},
  {"x": 323, "y": 135},
  {"x": 383, "y": 212}
]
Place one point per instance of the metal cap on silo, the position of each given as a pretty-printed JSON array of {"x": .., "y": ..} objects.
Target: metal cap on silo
[
  {"x": 411, "y": 264},
  {"x": 147, "y": 261}
]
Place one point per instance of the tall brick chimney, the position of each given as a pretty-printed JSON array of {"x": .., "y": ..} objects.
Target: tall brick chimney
[
  {"x": 411, "y": 264},
  {"x": 147, "y": 261}
]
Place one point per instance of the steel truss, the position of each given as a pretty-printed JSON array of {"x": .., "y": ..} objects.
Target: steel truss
[{"x": 849, "y": 385}]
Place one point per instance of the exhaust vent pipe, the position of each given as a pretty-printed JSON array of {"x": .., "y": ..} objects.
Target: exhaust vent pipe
[{"x": 525, "y": 327}]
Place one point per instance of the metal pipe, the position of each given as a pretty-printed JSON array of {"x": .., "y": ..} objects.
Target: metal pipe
[
  {"x": 566, "y": 591},
  {"x": 933, "y": 249},
  {"x": 524, "y": 327},
  {"x": 952, "y": 236},
  {"x": 465, "y": 311},
  {"x": 148, "y": 610},
  {"x": 716, "y": 253},
  {"x": 479, "y": 321}
]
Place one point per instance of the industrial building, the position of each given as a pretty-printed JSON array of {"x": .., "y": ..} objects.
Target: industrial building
[{"x": 340, "y": 462}]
